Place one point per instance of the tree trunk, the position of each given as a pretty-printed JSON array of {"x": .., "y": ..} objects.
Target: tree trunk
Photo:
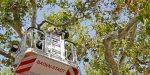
[{"x": 108, "y": 54}]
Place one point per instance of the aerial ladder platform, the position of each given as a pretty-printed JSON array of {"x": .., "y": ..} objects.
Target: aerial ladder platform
[{"x": 41, "y": 53}]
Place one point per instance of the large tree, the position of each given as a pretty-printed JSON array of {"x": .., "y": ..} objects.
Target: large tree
[{"x": 119, "y": 46}]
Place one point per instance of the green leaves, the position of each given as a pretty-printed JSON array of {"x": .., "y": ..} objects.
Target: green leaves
[
  {"x": 6, "y": 71},
  {"x": 147, "y": 23},
  {"x": 148, "y": 28},
  {"x": 141, "y": 18},
  {"x": 7, "y": 62},
  {"x": 1, "y": 37},
  {"x": 98, "y": 16},
  {"x": 86, "y": 59}
]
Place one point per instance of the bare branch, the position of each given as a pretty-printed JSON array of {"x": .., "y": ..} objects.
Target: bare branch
[
  {"x": 34, "y": 8},
  {"x": 45, "y": 21}
]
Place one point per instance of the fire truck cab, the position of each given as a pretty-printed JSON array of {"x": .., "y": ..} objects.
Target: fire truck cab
[{"x": 42, "y": 53}]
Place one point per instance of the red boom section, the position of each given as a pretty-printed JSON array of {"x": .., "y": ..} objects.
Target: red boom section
[
  {"x": 26, "y": 63},
  {"x": 43, "y": 66},
  {"x": 72, "y": 71}
]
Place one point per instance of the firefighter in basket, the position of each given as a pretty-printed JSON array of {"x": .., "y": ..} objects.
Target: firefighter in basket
[{"x": 52, "y": 30}]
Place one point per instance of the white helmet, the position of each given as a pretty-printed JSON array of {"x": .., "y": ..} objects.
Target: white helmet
[{"x": 51, "y": 29}]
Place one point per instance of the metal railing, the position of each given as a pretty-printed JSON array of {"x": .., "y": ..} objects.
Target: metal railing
[
  {"x": 29, "y": 40},
  {"x": 51, "y": 44}
]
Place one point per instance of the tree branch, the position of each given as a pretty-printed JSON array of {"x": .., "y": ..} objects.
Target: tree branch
[
  {"x": 133, "y": 35},
  {"x": 142, "y": 62},
  {"x": 128, "y": 26},
  {"x": 34, "y": 8},
  {"x": 121, "y": 60},
  {"x": 45, "y": 21},
  {"x": 15, "y": 23},
  {"x": 68, "y": 22},
  {"x": 73, "y": 18},
  {"x": 109, "y": 55},
  {"x": 6, "y": 55},
  {"x": 49, "y": 22},
  {"x": 107, "y": 45}
]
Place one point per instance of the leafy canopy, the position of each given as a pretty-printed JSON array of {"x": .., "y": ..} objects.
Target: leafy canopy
[{"x": 84, "y": 18}]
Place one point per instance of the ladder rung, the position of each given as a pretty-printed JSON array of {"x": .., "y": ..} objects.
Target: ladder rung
[
  {"x": 56, "y": 45},
  {"x": 56, "y": 51},
  {"x": 55, "y": 40}
]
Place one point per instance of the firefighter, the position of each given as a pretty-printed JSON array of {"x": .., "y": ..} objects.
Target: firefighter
[
  {"x": 52, "y": 30},
  {"x": 66, "y": 33}
]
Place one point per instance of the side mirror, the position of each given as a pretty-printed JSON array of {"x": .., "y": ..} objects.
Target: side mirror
[{"x": 14, "y": 48}]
